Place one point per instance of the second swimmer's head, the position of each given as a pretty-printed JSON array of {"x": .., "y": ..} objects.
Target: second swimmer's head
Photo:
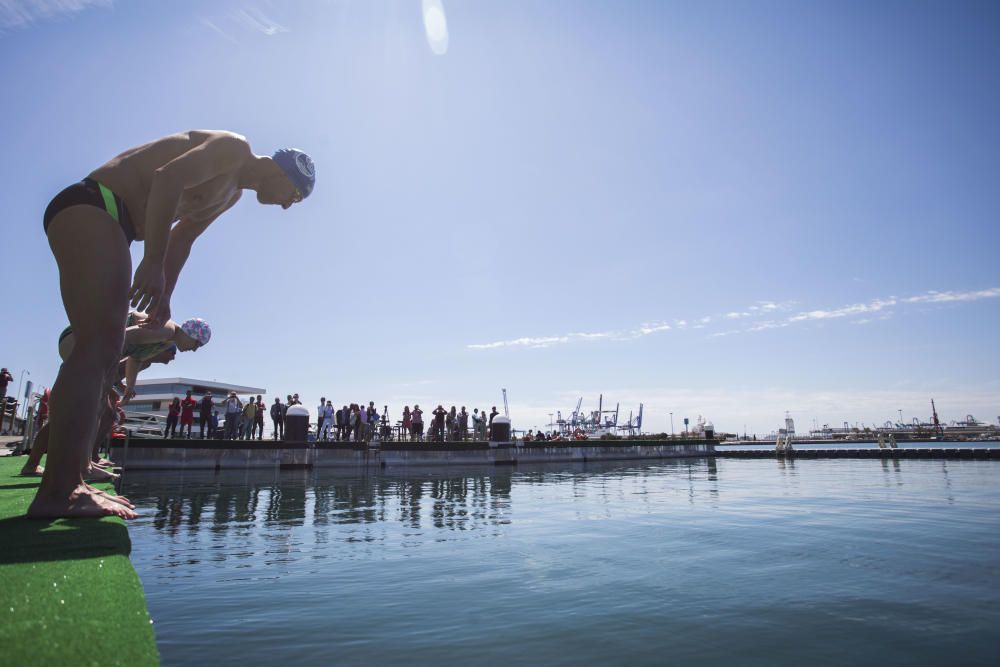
[{"x": 194, "y": 333}]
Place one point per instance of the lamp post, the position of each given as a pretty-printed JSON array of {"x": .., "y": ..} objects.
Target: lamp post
[
  {"x": 20, "y": 382},
  {"x": 18, "y": 396},
  {"x": 671, "y": 424}
]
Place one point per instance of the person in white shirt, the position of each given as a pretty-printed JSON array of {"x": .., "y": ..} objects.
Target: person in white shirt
[
  {"x": 320, "y": 414},
  {"x": 327, "y": 421}
]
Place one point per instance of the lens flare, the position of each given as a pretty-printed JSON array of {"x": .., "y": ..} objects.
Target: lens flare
[{"x": 435, "y": 26}]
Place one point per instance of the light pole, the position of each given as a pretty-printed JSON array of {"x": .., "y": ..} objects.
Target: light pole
[
  {"x": 19, "y": 382},
  {"x": 671, "y": 424},
  {"x": 900, "y": 417}
]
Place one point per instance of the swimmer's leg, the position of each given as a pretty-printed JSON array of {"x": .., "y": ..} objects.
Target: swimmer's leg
[
  {"x": 95, "y": 270},
  {"x": 33, "y": 466}
]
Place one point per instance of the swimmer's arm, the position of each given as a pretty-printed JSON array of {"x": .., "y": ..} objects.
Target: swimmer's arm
[
  {"x": 132, "y": 368},
  {"x": 179, "y": 243},
  {"x": 140, "y": 335},
  {"x": 220, "y": 154}
]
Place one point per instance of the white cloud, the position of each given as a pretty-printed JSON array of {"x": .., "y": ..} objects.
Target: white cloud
[
  {"x": 544, "y": 341},
  {"x": 845, "y": 311},
  {"x": 876, "y": 309},
  {"x": 21, "y": 13},
  {"x": 255, "y": 19},
  {"x": 945, "y": 297}
]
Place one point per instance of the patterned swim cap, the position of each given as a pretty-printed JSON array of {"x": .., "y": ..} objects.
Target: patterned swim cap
[
  {"x": 298, "y": 167},
  {"x": 198, "y": 329}
]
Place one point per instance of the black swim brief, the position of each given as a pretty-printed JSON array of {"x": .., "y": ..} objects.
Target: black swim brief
[{"x": 90, "y": 192}]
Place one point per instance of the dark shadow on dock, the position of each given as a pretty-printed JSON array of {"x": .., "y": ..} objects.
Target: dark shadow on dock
[{"x": 31, "y": 541}]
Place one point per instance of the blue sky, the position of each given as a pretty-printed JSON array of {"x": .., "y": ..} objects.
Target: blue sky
[{"x": 727, "y": 209}]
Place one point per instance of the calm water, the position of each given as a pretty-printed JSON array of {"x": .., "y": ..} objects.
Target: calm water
[{"x": 694, "y": 562}]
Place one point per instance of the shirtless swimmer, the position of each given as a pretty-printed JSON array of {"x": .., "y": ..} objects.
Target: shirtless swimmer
[{"x": 189, "y": 178}]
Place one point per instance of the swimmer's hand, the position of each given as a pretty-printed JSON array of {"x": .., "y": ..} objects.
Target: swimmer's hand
[
  {"x": 158, "y": 316},
  {"x": 147, "y": 286},
  {"x": 129, "y": 395}
]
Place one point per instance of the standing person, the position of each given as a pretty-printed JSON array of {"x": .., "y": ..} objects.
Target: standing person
[
  {"x": 372, "y": 420},
  {"x": 418, "y": 423},
  {"x": 348, "y": 421},
  {"x": 439, "y": 414},
  {"x": 187, "y": 413},
  {"x": 338, "y": 423},
  {"x": 190, "y": 178},
  {"x": 278, "y": 419},
  {"x": 173, "y": 413},
  {"x": 320, "y": 416},
  {"x": 330, "y": 422},
  {"x": 258, "y": 420},
  {"x": 476, "y": 421},
  {"x": 249, "y": 414},
  {"x": 5, "y": 379},
  {"x": 205, "y": 416},
  {"x": 362, "y": 424},
  {"x": 329, "y": 432},
  {"x": 407, "y": 423},
  {"x": 463, "y": 424},
  {"x": 482, "y": 425},
  {"x": 493, "y": 414},
  {"x": 451, "y": 422},
  {"x": 215, "y": 423},
  {"x": 43, "y": 409},
  {"x": 234, "y": 410}
]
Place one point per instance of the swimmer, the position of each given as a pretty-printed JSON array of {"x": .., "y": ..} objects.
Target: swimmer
[
  {"x": 144, "y": 342},
  {"x": 190, "y": 179},
  {"x": 93, "y": 469}
]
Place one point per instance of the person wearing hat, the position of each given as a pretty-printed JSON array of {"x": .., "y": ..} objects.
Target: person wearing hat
[
  {"x": 234, "y": 412},
  {"x": 165, "y": 193}
]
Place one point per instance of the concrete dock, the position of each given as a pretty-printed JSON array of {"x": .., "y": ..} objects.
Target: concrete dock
[
  {"x": 181, "y": 454},
  {"x": 865, "y": 453}
]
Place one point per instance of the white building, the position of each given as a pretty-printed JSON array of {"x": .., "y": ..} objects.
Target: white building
[{"x": 153, "y": 396}]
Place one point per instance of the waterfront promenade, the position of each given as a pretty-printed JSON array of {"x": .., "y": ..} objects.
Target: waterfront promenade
[{"x": 70, "y": 595}]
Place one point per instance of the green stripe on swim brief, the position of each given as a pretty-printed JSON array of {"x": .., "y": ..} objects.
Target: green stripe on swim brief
[{"x": 110, "y": 205}]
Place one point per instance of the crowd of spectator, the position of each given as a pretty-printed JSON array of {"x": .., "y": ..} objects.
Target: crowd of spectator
[
  {"x": 352, "y": 422},
  {"x": 355, "y": 422}
]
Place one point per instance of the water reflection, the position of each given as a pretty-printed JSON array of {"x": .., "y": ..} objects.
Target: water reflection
[{"x": 215, "y": 505}]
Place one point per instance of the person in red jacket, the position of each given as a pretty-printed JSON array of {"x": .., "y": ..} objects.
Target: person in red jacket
[{"x": 187, "y": 413}]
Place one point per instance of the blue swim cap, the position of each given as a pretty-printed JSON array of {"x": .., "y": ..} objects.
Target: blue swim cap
[{"x": 298, "y": 167}]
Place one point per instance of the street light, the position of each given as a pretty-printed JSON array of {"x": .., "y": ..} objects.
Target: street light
[
  {"x": 21, "y": 381},
  {"x": 671, "y": 424}
]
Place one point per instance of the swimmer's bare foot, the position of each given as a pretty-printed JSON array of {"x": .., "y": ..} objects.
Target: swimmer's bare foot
[
  {"x": 81, "y": 502},
  {"x": 32, "y": 471},
  {"x": 118, "y": 499},
  {"x": 99, "y": 474}
]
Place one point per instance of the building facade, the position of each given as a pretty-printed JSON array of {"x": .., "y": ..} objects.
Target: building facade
[{"x": 153, "y": 396}]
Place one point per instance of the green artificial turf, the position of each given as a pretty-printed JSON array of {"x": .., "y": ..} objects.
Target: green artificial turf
[{"x": 68, "y": 592}]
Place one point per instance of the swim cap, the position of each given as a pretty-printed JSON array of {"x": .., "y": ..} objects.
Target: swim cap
[
  {"x": 198, "y": 329},
  {"x": 298, "y": 167}
]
